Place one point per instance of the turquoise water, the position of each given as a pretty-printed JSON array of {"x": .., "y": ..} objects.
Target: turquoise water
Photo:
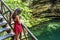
[{"x": 49, "y": 30}]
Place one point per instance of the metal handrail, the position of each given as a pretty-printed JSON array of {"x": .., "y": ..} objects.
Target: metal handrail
[
  {"x": 29, "y": 31},
  {"x": 22, "y": 23},
  {"x": 6, "y": 6}
]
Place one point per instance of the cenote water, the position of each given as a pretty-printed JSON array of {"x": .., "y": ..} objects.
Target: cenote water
[{"x": 49, "y": 30}]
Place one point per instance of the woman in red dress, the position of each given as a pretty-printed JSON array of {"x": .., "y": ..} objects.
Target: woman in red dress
[{"x": 17, "y": 23}]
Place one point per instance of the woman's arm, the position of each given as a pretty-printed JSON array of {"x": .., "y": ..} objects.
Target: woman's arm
[{"x": 18, "y": 19}]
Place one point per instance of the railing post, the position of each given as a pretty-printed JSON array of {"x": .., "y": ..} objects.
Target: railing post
[
  {"x": 2, "y": 7},
  {"x": 32, "y": 38},
  {"x": 24, "y": 33},
  {"x": 10, "y": 18}
]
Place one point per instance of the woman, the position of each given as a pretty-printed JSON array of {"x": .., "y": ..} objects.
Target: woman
[{"x": 17, "y": 23}]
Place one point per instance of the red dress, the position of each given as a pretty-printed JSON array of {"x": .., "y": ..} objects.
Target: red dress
[{"x": 17, "y": 27}]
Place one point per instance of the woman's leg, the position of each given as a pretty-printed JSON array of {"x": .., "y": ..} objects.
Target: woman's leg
[
  {"x": 17, "y": 36},
  {"x": 20, "y": 36}
]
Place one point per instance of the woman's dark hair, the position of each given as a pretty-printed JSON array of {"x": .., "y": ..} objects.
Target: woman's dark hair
[{"x": 16, "y": 12}]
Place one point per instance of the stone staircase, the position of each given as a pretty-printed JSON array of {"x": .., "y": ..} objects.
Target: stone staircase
[{"x": 5, "y": 27}]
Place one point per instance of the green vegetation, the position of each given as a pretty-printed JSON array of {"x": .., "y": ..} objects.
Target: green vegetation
[
  {"x": 34, "y": 13},
  {"x": 27, "y": 16}
]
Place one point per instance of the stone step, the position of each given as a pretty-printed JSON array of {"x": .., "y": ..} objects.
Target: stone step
[
  {"x": 1, "y": 17},
  {"x": 4, "y": 29},
  {"x": 3, "y": 23},
  {"x": 6, "y": 36},
  {"x": 12, "y": 34}
]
